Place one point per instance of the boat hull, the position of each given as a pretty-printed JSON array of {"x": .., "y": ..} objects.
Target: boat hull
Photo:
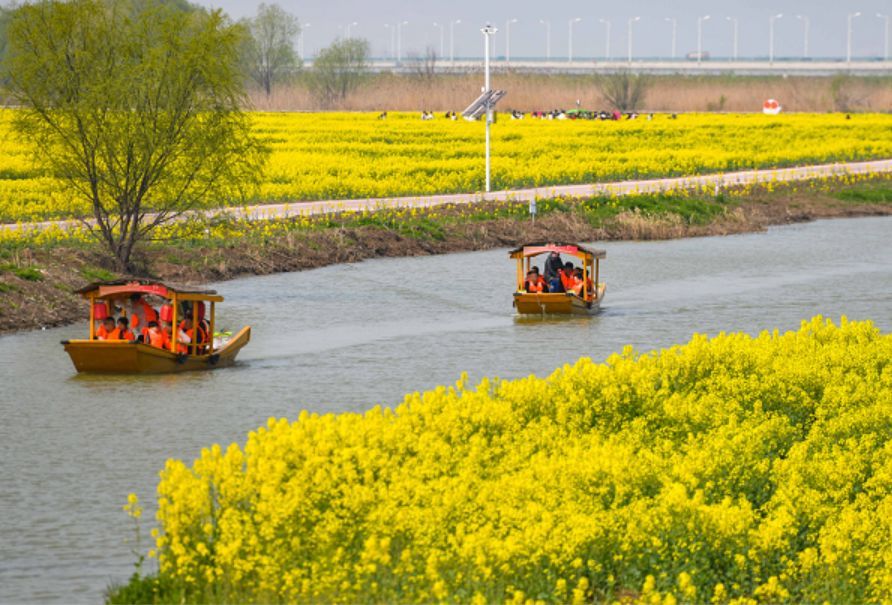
[
  {"x": 557, "y": 304},
  {"x": 122, "y": 357}
]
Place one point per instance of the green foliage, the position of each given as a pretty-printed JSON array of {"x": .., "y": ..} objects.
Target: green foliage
[
  {"x": 269, "y": 52},
  {"x": 339, "y": 70},
  {"x": 97, "y": 274},
  {"x": 26, "y": 273},
  {"x": 879, "y": 193},
  {"x": 134, "y": 106}
]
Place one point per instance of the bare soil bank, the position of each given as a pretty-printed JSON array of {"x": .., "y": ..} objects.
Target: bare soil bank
[
  {"x": 528, "y": 92},
  {"x": 42, "y": 294}
]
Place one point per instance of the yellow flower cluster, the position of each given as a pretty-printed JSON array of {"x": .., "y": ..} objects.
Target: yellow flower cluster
[
  {"x": 352, "y": 155},
  {"x": 727, "y": 470}
]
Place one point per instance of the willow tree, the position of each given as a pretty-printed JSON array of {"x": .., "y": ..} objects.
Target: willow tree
[
  {"x": 135, "y": 106},
  {"x": 270, "y": 46}
]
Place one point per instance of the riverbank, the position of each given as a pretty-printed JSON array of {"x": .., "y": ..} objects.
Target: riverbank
[{"x": 37, "y": 282}]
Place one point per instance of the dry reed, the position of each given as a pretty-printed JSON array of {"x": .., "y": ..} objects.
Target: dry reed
[{"x": 528, "y": 92}]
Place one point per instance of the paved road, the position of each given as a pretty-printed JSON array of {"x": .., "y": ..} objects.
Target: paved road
[{"x": 709, "y": 181}]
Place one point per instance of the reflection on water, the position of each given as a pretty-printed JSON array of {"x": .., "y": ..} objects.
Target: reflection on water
[{"x": 347, "y": 337}]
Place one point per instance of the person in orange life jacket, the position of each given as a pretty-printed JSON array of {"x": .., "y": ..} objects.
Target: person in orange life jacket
[
  {"x": 122, "y": 332},
  {"x": 141, "y": 313},
  {"x": 577, "y": 281},
  {"x": 156, "y": 336},
  {"x": 567, "y": 276},
  {"x": 182, "y": 338},
  {"x": 199, "y": 336},
  {"x": 541, "y": 280},
  {"x": 107, "y": 327},
  {"x": 533, "y": 283}
]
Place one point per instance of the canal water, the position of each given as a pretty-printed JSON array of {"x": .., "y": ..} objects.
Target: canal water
[{"x": 347, "y": 337}]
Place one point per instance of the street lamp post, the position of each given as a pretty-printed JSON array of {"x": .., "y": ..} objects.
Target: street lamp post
[
  {"x": 700, "y": 21},
  {"x": 885, "y": 35},
  {"x": 850, "y": 18},
  {"x": 734, "y": 22},
  {"x": 441, "y": 37},
  {"x": 452, "y": 25},
  {"x": 399, "y": 40},
  {"x": 349, "y": 25},
  {"x": 547, "y": 25},
  {"x": 631, "y": 21},
  {"x": 806, "y": 23},
  {"x": 508, "y": 39},
  {"x": 392, "y": 39},
  {"x": 674, "y": 23},
  {"x": 771, "y": 21},
  {"x": 487, "y": 31},
  {"x": 570, "y": 44},
  {"x": 300, "y": 40},
  {"x": 606, "y": 39}
]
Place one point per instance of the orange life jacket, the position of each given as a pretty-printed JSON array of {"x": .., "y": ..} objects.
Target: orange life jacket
[
  {"x": 102, "y": 333},
  {"x": 566, "y": 280},
  {"x": 535, "y": 286},
  {"x": 119, "y": 334},
  {"x": 159, "y": 338},
  {"x": 148, "y": 311}
]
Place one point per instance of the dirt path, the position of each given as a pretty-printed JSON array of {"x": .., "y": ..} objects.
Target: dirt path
[{"x": 727, "y": 179}]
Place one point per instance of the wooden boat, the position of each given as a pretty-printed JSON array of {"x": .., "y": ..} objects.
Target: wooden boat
[
  {"x": 133, "y": 357},
  {"x": 588, "y": 302}
]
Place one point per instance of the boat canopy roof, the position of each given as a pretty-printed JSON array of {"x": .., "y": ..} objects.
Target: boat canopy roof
[
  {"x": 127, "y": 287},
  {"x": 535, "y": 249}
]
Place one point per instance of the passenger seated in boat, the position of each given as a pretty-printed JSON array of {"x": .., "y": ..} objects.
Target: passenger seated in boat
[
  {"x": 555, "y": 285},
  {"x": 567, "y": 276},
  {"x": 122, "y": 332},
  {"x": 540, "y": 278},
  {"x": 576, "y": 282},
  {"x": 156, "y": 336},
  {"x": 534, "y": 283},
  {"x": 188, "y": 334},
  {"x": 106, "y": 329},
  {"x": 182, "y": 338}
]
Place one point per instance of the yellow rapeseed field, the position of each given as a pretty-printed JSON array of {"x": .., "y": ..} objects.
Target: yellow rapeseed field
[
  {"x": 354, "y": 155},
  {"x": 727, "y": 470}
]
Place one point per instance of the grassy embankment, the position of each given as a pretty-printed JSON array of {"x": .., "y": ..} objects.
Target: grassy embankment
[{"x": 37, "y": 277}]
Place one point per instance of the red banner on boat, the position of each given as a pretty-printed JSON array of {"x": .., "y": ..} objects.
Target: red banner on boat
[
  {"x": 134, "y": 288},
  {"x": 535, "y": 250}
]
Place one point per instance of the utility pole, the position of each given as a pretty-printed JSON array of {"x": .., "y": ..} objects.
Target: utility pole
[{"x": 487, "y": 32}]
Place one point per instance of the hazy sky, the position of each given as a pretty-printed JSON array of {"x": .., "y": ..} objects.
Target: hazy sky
[{"x": 652, "y": 35}]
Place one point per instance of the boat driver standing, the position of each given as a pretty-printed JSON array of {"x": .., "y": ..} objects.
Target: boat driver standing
[{"x": 552, "y": 265}]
